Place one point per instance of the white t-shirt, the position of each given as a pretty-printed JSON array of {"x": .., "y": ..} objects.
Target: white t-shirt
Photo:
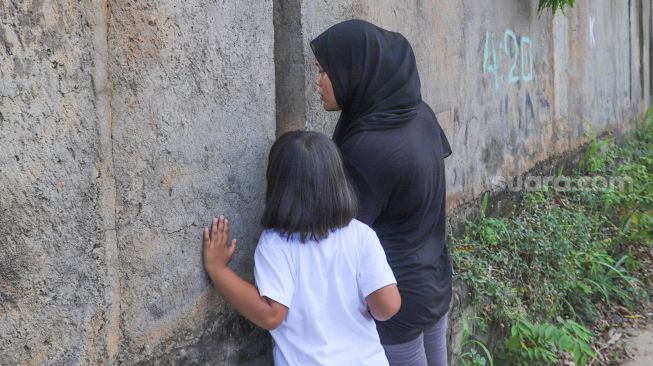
[{"x": 324, "y": 285}]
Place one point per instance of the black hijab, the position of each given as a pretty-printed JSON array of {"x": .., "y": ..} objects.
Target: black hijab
[{"x": 374, "y": 77}]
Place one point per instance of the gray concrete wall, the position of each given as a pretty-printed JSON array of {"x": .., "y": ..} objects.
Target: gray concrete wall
[
  {"x": 126, "y": 125},
  {"x": 52, "y": 257}
]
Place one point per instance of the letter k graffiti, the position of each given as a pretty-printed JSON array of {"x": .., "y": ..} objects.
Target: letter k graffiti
[{"x": 592, "y": 39}]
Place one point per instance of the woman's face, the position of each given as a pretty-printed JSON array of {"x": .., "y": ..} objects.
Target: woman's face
[{"x": 325, "y": 89}]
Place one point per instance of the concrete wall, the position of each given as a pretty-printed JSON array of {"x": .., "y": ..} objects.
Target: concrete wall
[
  {"x": 125, "y": 125},
  {"x": 52, "y": 257}
]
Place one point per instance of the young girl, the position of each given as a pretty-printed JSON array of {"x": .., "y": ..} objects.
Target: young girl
[{"x": 321, "y": 275}]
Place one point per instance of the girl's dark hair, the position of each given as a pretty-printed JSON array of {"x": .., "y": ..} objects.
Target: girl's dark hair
[{"x": 307, "y": 190}]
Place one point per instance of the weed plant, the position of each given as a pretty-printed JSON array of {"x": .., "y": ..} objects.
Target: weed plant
[{"x": 555, "y": 5}]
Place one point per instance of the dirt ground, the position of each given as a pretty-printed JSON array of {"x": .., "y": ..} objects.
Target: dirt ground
[
  {"x": 626, "y": 338},
  {"x": 642, "y": 348}
]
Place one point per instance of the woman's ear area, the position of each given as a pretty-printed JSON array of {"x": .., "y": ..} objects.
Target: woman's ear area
[{"x": 319, "y": 66}]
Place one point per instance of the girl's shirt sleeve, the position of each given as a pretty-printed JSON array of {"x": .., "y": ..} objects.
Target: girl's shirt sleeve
[
  {"x": 273, "y": 269},
  {"x": 373, "y": 271}
]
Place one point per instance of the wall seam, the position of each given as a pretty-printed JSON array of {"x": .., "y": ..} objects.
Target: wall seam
[
  {"x": 289, "y": 63},
  {"x": 640, "y": 42},
  {"x": 630, "y": 52},
  {"x": 107, "y": 179}
]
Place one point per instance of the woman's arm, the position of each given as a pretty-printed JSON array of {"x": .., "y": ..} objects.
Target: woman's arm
[
  {"x": 241, "y": 294},
  {"x": 370, "y": 171}
]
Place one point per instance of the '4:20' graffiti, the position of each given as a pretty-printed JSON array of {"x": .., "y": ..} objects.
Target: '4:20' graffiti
[{"x": 520, "y": 52}]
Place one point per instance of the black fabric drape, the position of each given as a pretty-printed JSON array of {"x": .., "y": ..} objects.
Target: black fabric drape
[{"x": 374, "y": 76}]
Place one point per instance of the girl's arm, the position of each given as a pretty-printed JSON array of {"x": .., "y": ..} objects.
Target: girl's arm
[
  {"x": 384, "y": 303},
  {"x": 241, "y": 294},
  {"x": 376, "y": 280}
]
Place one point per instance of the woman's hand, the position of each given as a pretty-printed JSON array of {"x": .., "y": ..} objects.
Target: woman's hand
[{"x": 216, "y": 252}]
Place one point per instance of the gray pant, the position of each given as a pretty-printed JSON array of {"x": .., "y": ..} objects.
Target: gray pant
[{"x": 429, "y": 349}]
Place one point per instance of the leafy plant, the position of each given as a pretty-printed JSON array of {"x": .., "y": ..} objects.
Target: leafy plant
[
  {"x": 545, "y": 343},
  {"x": 555, "y": 5},
  {"x": 595, "y": 158},
  {"x": 473, "y": 347}
]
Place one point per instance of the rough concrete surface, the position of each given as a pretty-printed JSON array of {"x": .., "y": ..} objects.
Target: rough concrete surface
[
  {"x": 192, "y": 118},
  {"x": 52, "y": 263},
  {"x": 126, "y": 125}
]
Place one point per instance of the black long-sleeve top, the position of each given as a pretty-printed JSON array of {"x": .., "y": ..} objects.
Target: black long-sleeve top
[{"x": 400, "y": 179}]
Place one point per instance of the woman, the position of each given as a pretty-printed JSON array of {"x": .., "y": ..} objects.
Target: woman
[{"x": 393, "y": 149}]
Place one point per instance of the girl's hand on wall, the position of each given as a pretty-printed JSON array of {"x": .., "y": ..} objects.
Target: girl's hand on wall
[
  {"x": 241, "y": 294},
  {"x": 216, "y": 252}
]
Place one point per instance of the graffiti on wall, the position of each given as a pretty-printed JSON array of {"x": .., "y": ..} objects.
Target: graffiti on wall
[
  {"x": 519, "y": 50},
  {"x": 591, "y": 32}
]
